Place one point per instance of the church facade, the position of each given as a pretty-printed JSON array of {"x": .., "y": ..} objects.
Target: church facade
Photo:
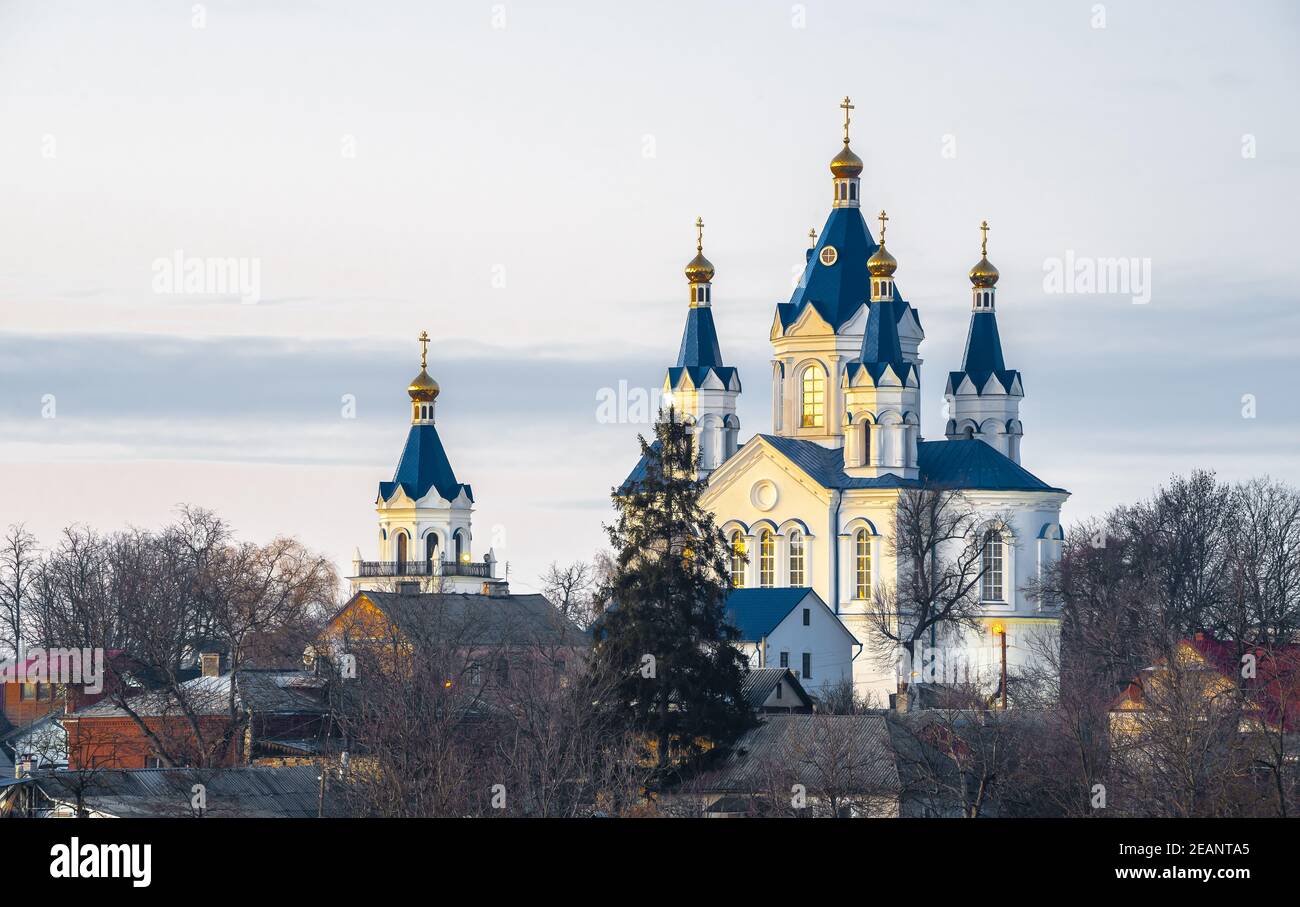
[{"x": 812, "y": 503}]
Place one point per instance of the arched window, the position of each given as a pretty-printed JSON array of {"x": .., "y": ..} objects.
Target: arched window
[
  {"x": 460, "y": 545},
  {"x": 767, "y": 559},
  {"x": 814, "y": 397},
  {"x": 737, "y": 560},
  {"x": 401, "y": 551},
  {"x": 862, "y": 565},
  {"x": 431, "y": 550},
  {"x": 991, "y": 583},
  {"x": 796, "y": 558}
]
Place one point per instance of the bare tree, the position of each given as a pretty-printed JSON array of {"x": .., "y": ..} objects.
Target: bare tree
[
  {"x": 938, "y": 543},
  {"x": 18, "y": 568}
]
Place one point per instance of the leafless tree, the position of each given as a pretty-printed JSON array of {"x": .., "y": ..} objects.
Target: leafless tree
[
  {"x": 938, "y": 542},
  {"x": 18, "y": 567}
]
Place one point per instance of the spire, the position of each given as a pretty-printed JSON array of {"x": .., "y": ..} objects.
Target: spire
[
  {"x": 423, "y": 390},
  {"x": 846, "y": 167},
  {"x": 984, "y": 396}
]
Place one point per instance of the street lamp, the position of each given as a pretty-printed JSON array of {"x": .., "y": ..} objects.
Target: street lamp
[{"x": 999, "y": 629}]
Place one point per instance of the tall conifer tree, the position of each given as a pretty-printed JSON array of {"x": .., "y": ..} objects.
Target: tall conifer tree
[{"x": 666, "y": 635}]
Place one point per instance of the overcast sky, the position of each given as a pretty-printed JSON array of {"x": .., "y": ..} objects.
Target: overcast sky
[{"x": 520, "y": 179}]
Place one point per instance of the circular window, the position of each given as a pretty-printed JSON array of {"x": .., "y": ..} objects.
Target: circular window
[
  {"x": 829, "y": 255},
  {"x": 763, "y": 495}
]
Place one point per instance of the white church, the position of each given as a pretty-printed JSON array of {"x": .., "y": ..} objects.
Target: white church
[{"x": 811, "y": 503}]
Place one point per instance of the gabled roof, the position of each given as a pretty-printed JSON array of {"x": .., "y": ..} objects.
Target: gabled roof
[
  {"x": 965, "y": 464},
  {"x": 476, "y": 620},
  {"x": 260, "y": 692},
  {"x": 760, "y": 682},
  {"x": 855, "y": 748},
  {"x": 836, "y": 291},
  {"x": 757, "y": 612},
  {"x": 424, "y": 465}
]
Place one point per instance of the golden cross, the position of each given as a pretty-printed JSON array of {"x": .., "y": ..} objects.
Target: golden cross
[
  {"x": 846, "y": 107},
  {"x": 812, "y": 236},
  {"x": 699, "y": 234},
  {"x": 883, "y": 218},
  {"x": 984, "y": 239},
  {"x": 424, "y": 349}
]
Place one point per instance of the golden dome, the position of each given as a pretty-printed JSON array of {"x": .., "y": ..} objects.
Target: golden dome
[
  {"x": 700, "y": 269},
  {"x": 881, "y": 263},
  {"x": 983, "y": 275},
  {"x": 846, "y": 163},
  {"x": 422, "y": 388}
]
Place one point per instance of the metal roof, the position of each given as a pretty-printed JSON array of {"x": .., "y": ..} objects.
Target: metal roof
[
  {"x": 485, "y": 620},
  {"x": 247, "y": 791},
  {"x": 760, "y": 682},
  {"x": 850, "y": 752}
]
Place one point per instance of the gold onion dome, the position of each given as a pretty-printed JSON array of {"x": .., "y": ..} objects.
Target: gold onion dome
[
  {"x": 984, "y": 276},
  {"x": 846, "y": 163},
  {"x": 422, "y": 388},
  {"x": 699, "y": 269}
]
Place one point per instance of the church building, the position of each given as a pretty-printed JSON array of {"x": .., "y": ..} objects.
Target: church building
[{"x": 812, "y": 503}]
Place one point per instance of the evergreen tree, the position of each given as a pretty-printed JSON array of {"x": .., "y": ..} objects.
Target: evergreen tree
[{"x": 665, "y": 635}]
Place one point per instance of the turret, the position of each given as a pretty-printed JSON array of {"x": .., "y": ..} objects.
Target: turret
[
  {"x": 984, "y": 396},
  {"x": 700, "y": 388}
]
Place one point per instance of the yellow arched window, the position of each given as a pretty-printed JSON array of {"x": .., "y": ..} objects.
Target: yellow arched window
[
  {"x": 796, "y": 558},
  {"x": 737, "y": 560},
  {"x": 401, "y": 550},
  {"x": 767, "y": 559},
  {"x": 813, "y": 397},
  {"x": 862, "y": 565}
]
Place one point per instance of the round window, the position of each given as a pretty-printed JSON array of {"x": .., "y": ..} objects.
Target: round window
[{"x": 829, "y": 255}]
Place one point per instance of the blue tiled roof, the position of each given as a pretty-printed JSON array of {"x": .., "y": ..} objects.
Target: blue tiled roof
[
  {"x": 725, "y": 374},
  {"x": 700, "y": 340},
  {"x": 424, "y": 465},
  {"x": 969, "y": 464},
  {"x": 757, "y": 612}
]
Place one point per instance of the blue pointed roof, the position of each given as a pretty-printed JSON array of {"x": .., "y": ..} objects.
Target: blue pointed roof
[
  {"x": 424, "y": 465},
  {"x": 881, "y": 347},
  {"x": 836, "y": 291},
  {"x": 983, "y": 357},
  {"x": 700, "y": 340},
  {"x": 700, "y": 352}
]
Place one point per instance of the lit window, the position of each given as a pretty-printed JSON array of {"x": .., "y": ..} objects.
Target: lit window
[
  {"x": 814, "y": 397},
  {"x": 767, "y": 559},
  {"x": 796, "y": 558},
  {"x": 737, "y": 560},
  {"x": 862, "y": 565},
  {"x": 991, "y": 583}
]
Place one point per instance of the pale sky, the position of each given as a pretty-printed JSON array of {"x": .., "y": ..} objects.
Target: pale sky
[{"x": 520, "y": 179}]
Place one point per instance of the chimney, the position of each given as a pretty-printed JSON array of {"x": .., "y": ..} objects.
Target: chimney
[
  {"x": 497, "y": 588},
  {"x": 210, "y": 664}
]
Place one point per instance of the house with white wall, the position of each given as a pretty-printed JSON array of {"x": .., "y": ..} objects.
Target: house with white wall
[{"x": 793, "y": 628}]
